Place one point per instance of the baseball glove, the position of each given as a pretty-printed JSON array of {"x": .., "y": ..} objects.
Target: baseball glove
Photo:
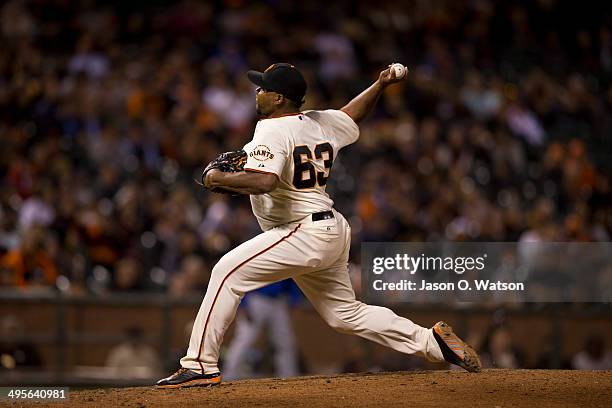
[{"x": 228, "y": 162}]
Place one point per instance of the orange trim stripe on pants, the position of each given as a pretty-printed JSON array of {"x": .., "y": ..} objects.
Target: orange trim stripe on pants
[{"x": 221, "y": 286}]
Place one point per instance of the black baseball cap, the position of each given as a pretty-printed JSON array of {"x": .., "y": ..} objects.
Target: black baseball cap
[{"x": 282, "y": 78}]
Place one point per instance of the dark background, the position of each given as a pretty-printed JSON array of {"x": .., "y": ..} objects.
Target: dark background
[{"x": 108, "y": 110}]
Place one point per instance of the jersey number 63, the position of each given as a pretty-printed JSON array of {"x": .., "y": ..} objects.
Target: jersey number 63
[{"x": 304, "y": 173}]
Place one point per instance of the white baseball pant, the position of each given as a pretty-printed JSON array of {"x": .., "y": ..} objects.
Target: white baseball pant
[{"x": 315, "y": 254}]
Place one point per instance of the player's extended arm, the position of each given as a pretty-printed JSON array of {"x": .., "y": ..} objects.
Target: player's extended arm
[
  {"x": 360, "y": 106},
  {"x": 242, "y": 182}
]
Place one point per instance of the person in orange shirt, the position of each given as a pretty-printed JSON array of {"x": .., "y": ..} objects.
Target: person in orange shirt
[{"x": 30, "y": 264}]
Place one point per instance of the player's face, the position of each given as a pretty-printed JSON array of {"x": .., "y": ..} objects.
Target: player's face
[{"x": 265, "y": 102}]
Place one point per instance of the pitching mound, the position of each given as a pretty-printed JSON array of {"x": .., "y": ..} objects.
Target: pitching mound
[{"x": 491, "y": 388}]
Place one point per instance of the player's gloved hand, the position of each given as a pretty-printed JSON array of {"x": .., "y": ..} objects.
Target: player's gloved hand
[{"x": 231, "y": 162}]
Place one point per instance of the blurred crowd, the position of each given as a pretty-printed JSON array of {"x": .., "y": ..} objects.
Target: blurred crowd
[{"x": 109, "y": 110}]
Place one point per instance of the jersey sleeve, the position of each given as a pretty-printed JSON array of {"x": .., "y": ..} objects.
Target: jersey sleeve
[
  {"x": 342, "y": 126},
  {"x": 267, "y": 152}
]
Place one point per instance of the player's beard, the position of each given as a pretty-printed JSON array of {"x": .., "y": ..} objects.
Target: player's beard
[{"x": 260, "y": 113}]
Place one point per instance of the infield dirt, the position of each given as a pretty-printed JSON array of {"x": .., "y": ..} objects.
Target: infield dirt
[{"x": 490, "y": 388}]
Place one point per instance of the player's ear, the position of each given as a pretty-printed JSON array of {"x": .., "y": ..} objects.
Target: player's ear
[{"x": 279, "y": 100}]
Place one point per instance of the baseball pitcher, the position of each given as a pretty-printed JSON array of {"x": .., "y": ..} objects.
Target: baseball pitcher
[{"x": 285, "y": 169}]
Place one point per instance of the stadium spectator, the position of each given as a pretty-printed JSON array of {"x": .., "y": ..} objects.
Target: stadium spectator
[
  {"x": 133, "y": 358},
  {"x": 191, "y": 278},
  {"x": 32, "y": 264},
  {"x": 594, "y": 355},
  {"x": 498, "y": 351},
  {"x": 15, "y": 351}
]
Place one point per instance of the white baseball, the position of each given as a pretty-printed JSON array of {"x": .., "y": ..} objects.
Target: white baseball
[{"x": 399, "y": 70}]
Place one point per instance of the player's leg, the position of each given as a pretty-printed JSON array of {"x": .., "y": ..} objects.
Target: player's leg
[
  {"x": 252, "y": 265},
  {"x": 330, "y": 291},
  {"x": 258, "y": 262},
  {"x": 283, "y": 339},
  {"x": 249, "y": 323},
  {"x": 332, "y": 295}
]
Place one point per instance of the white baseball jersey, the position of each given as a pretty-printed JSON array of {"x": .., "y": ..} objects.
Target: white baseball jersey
[{"x": 300, "y": 149}]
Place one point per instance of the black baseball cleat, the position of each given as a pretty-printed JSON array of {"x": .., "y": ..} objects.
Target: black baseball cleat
[
  {"x": 185, "y": 377},
  {"x": 454, "y": 350}
]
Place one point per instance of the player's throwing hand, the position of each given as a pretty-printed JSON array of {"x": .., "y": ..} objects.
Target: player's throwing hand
[{"x": 393, "y": 74}]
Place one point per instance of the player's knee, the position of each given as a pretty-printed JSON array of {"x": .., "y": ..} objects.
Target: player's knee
[
  {"x": 219, "y": 271},
  {"x": 216, "y": 272}
]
